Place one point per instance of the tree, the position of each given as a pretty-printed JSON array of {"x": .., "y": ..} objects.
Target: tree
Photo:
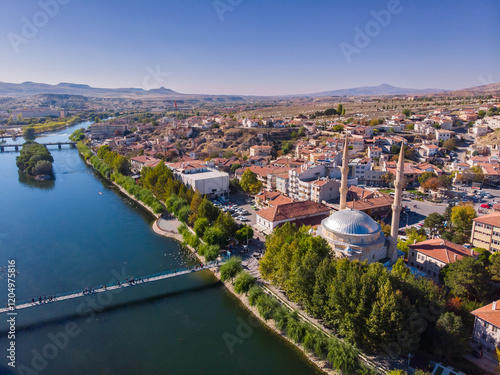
[
  {"x": 400, "y": 268},
  {"x": 395, "y": 149},
  {"x": 450, "y": 144},
  {"x": 29, "y": 132},
  {"x": 481, "y": 114},
  {"x": 200, "y": 225},
  {"x": 330, "y": 112},
  {"x": 451, "y": 335},
  {"x": 215, "y": 236},
  {"x": 338, "y": 128},
  {"x": 244, "y": 233},
  {"x": 407, "y": 112},
  {"x": 42, "y": 167},
  {"x": 425, "y": 176},
  {"x": 294, "y": 134},
  {"x": 478, "y": 173},
  {"x": 230, "y": 269},
  {"x": 340, "y": 108},
  {"x": 462, "y": 216},
  {"x": 435, "y": 221},
  {"x": 302, "y": 132},
  {"x": 467, "y": 278},
  {"x": 433, "y": 184},
  {"x": 249, "y": 182},
  {"x": 495, "y": 267},
  {"x": 235, "y": 166},
  {"x": 97, "y": 120},
  {"x": 243, "y": 282},
  {"x": 388, "y": 178},
  {"x": 226, "y": 224},
  {"x": 207, "y": 210}
]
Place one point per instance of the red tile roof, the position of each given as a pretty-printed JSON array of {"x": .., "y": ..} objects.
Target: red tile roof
[
  {"x": 490, "y": 219},
  {"x": 293, "y": 210},
  {"x": 444, "y": 251},
  {"x": 488, "y": 314},
  {"x": 369, "y": 203}
]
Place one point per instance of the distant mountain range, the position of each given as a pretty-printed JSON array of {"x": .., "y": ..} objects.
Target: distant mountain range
[
  {"x": 383, "y": 89},
  {"x": 33, "y": 88}
]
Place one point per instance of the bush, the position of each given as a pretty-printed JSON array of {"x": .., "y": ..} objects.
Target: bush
[
  {"x": 295, "y": 331},
  {"x": 210, "y": 252},
  {"x": 253, "y": 294},
  {"x": 267, "y": 305},
  {"x": 243, "y": 282},
  {"x": 230, "y": 269},
  {"x": 343, "y": 357},
  {"x": 281, "y": 317}
]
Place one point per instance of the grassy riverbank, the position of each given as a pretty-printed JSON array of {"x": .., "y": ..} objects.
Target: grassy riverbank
[{"x": 50, "y": 126}]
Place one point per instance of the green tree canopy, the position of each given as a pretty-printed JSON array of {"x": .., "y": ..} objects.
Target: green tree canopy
[
  {"x": 467, "y": 278},
  {"x": 249, "y": 182},
  {"x": 243, "y": 282},
  {"x": 244, "y": 233},
  {"x": 230, "y": 269}
]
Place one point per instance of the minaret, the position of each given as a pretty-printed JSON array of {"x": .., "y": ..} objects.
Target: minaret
[
  {"x": 396, "y": 207},
  {"x": 345, "y": 172}
]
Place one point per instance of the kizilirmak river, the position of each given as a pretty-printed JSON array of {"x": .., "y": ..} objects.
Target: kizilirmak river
[{"x": 65, "y": 235}]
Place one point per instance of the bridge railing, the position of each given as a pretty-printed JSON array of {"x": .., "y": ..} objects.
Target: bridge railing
[{"x": 127, "y": 282}]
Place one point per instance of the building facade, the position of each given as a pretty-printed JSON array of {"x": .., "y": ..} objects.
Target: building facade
[{"x": 486, "y": 232}]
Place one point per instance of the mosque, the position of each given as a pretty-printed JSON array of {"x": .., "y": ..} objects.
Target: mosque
[{"x": 353, "y": 234}]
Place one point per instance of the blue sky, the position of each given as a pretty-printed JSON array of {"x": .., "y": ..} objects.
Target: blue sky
[{"x": 260, "y": 47}]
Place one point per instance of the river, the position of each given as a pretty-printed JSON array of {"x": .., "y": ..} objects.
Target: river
[{"x": 65, "y": 235}]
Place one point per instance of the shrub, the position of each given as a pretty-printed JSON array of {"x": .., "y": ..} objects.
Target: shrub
[
  {"x": 267, "y": 305},
  {"x": 243, "y": 282},
  {"x": 253, "y": 294}
]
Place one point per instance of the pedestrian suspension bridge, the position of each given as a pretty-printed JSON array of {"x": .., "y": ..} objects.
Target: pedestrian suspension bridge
[{"x": 104, "y": 288}]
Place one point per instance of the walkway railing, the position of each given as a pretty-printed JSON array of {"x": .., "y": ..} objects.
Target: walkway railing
[{"x": 67, "y": 295}]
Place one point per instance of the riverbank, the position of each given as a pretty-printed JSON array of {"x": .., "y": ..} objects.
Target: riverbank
[{"x": 171, "y": 231}]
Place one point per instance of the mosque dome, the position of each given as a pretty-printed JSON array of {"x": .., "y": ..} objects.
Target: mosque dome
[{"x": 351, "y": 222}]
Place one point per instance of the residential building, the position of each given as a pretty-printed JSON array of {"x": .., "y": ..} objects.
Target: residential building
[
  {"x": 431, "y": 255},
  {"x": 260, "y": 150},
  {"x": 302, "y": 213},
  {"x": 443, "y": 134},
  {"x": 374, "y": 152},
  {"x": 487, "y": 326},
  {"x": 108, "y": 129},
  {"x": 142, "y": 161},
  {"x": 486, "y": 232},
  {"x": 319, "y": 190}
]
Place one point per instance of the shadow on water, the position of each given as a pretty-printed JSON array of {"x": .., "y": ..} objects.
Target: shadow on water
[
  {"x": 116, "y": 306},
  {"x": 33, "y": 183}
]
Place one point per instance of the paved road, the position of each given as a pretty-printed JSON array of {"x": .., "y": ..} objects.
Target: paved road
[{"x": 418, "y": 214}]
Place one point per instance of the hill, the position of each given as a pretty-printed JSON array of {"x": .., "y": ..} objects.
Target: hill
[{"x": 383, "y": 89}]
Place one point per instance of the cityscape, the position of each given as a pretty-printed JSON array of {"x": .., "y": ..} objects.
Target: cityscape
[{"x": 272, "y": 187}]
